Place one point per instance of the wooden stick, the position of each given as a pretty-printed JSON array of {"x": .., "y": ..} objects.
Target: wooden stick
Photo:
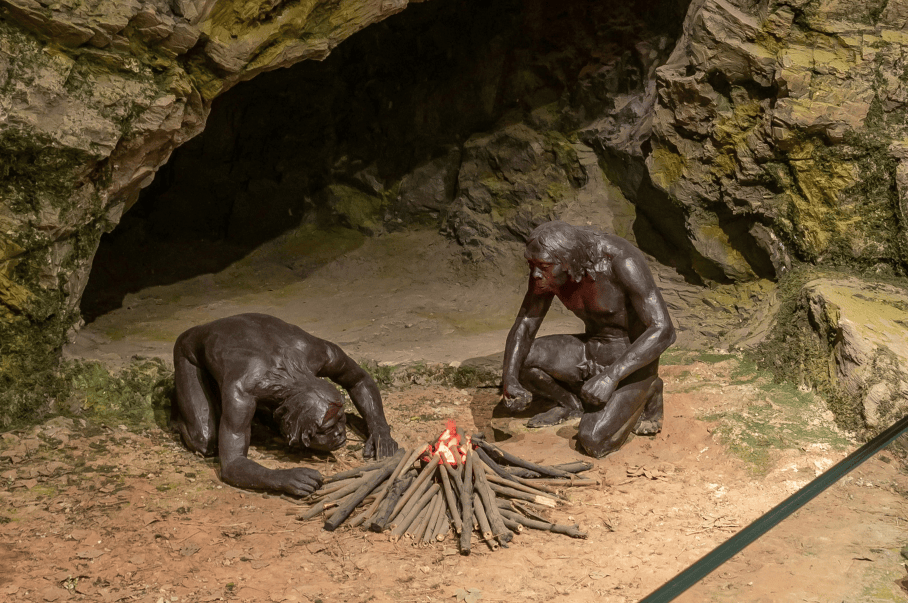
[
  {"x": 338, "y": 493},
  {"x": 483, "y": 521},
  {"x": 481, "y": 518},
  {"x": 332, "y": 487},
  {"x": 454, "y": 474},
  {"x": 380, "y": 495},
  {"x": 574, "y": 467},
  {"x": 418, "y": 527},
  {"x": 437, "y": 506},
  {"x": 495, "y": 466},
  {"x": 528, "y": 511},
  {"x": 519, "y": 485},
  {"x": 515, "y": 527},
  {"x": 375, "y": 478},
  {"x": 499, "y": 454},
  {"x": 356, "y": 472},
  {"x": 520, "y": 495},
  {"x": 466, "y": 503},
  {"x": 407, "y": 521},
  {"x": 383, "y": 516},
  {"x": 501, "y": 532},
  {"x": 417, "y": 489},
  {"x": 420, "y": 480},
  {"x": 449, "y": 498},
  {"x": 572, "y": 531},
  {"x": 573, "y": 482},
  {"x": 444, "y": 525}
]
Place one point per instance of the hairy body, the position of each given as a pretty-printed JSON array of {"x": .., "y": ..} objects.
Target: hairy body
[
  {"x": 227, "y": 369},
  {"x": 608, "y": 375}
]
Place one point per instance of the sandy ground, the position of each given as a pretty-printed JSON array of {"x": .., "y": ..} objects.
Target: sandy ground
[{"x": 100, "y": 513}]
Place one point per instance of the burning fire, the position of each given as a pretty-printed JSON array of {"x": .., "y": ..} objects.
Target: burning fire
[{"x": 451, "y": 446}]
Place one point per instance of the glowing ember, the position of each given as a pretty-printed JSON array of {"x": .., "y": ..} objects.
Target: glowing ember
[{"x": 449, "y": 446}]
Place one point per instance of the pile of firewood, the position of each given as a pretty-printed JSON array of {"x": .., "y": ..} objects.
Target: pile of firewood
[{"x": 462, "y": 483}]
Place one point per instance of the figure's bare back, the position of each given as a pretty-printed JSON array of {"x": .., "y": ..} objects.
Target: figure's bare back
[{"x": 248, "y": 345}]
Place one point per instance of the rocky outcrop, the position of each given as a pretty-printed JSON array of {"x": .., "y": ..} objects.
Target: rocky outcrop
[
  {"x": 94, "y": 96},
  {"x": 778, "y": 133},
  {"x": 861, "y": 327},
  {"x": 750, "y": 137}
]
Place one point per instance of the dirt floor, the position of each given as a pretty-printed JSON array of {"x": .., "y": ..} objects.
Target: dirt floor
[{"x": 100, "y": 512}]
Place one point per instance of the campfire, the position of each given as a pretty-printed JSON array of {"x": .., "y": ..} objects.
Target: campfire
[{"x": 460, "y": 483}]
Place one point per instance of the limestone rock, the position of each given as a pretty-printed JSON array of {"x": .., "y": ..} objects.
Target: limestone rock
[{"x": 865, "y": 328}]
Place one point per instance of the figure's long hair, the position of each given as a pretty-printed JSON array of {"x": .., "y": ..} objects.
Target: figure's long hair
[
  {"x": 306, "y": 402},
  {"x": 577, "y": 247}
]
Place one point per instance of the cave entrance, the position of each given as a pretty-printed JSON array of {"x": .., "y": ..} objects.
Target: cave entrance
[{"x": 312, "y": 161}]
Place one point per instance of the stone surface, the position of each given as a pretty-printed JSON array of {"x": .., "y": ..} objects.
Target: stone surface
[
  {"x": 864, "y": 328},
  {"x": 730, "y": 146}
]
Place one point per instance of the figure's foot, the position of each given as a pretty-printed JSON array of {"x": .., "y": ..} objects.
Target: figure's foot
[
  {"x": 648, "y": 427},
  {"x": 554, "y": 416},
  {"x": 650, "y": 421}
]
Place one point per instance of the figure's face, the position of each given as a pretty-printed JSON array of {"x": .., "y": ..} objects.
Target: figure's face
[
  {"x": 331, "y": 434},
  {"x": 546, "y": 273}
]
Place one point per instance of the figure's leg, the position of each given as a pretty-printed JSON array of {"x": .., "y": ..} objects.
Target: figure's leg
[
  {"x": 549, "y": 372},
  {"x": 650, "y": 421},
  {"x": 606, "y": 430},
  {"x": 196, "y": 410}
]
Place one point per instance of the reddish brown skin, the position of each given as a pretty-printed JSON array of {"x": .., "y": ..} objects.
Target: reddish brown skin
[
  {"x": 219, "y": 371},
  {"x": 607, "y": 375}
]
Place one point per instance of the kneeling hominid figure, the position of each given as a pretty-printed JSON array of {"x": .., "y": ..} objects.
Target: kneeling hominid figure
[
  {"x": 608, "y": 375},
  {"x": 227, "y": 369}
]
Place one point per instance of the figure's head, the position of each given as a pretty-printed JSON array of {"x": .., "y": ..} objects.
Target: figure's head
[
  {"x": 313, "y": 416},
  {"x": 556, "y": 252}
]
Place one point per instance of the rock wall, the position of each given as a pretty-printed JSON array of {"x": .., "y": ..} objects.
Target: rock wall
[
  {"x": 779, "y": 130},
  {"x": 94, "y": 96},
  {"x": 746, "y": 138}
]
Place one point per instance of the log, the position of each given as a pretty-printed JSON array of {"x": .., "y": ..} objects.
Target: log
[
  {"x": 449, "y": 498},
  {"x": 519, "y": 485},
  {"x": 421, "y": 479},
  {"x": 498, "y": 455},
  {"x": 327, "y": 489},
  {"x": 574, "y": 467},
  {"x": 347, "y": 488},
  {"x": 375, "y": 478},
  {"x": 381, "y": 492},
  {"x": 483, "y": 520},
  {"x": 572, "y": 531},
  {"x": 520, "y": 495},
  {"x": 382, "y": 517},
  {"x": 437, "y": 507},
  {"x": 417, "y": 490},
  {"x": 444, "y": 525},
  {"x": 418, "y": 527},
  {"x": 501, "y": 532},
  {"x": 574, "y": 482},
  {"x": 515, "y": 527},
  {"x": 528, "y": 511},
  {"x": 356, "y": 472},
  {"x": 407, "y": 521},
  {"x": 495, "y": 466},
  {"x": 466, "y": 503}
]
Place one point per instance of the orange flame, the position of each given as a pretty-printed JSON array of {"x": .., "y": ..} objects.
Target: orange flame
[{"x": 449, "y": 446}]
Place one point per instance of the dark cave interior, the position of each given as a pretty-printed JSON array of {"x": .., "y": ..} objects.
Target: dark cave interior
[{"x": 302, "y": 145}]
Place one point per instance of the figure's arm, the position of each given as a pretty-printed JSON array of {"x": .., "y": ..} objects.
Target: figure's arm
[
  {"x": 365, "y": 396},
  {"x": 634, "y": 275},
  {"x": 520, "y": 338},
  {"x": 238, "y": 408}
]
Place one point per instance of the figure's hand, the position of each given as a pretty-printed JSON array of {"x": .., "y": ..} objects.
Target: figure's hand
[
  {"x": 379, "y": 445},
  {"x": 299, "y": 481},
  {"x": 598, "y": 390},
  {"x": 515, "y": 398}
]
